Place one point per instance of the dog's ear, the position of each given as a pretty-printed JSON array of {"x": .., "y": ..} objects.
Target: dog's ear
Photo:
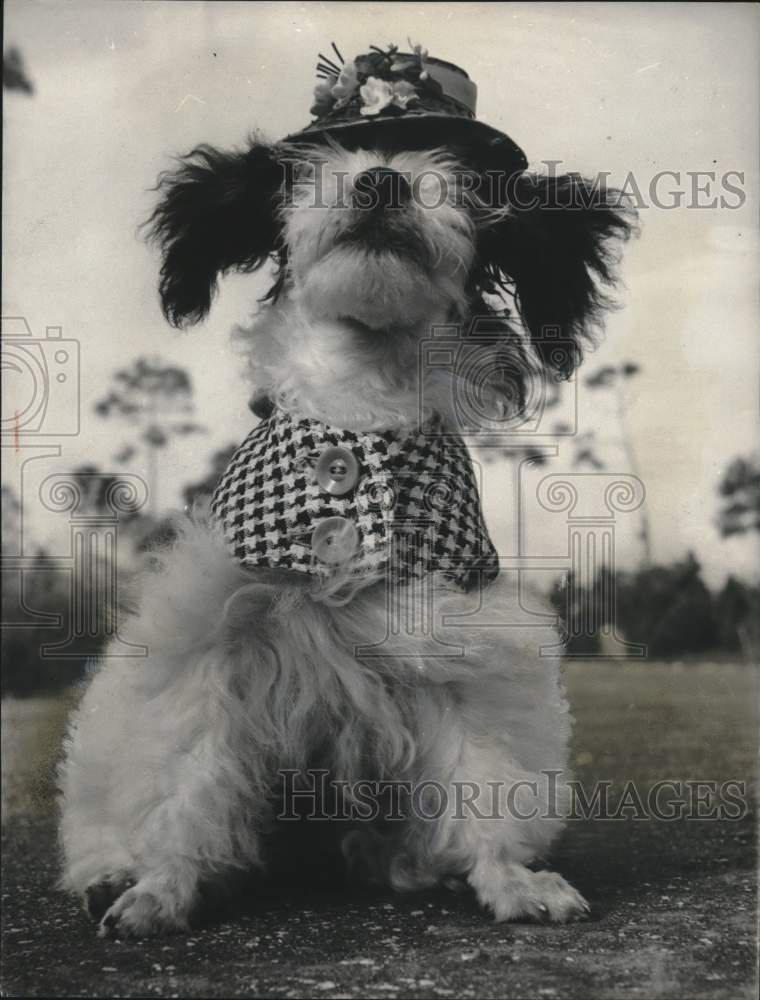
[
  {"x": 217, "y": 212},
  {"x": 555, "y": 247}
]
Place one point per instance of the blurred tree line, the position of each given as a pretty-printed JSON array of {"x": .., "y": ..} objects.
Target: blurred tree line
[
  {"x": 669, "y": 609},
  {"x": 41, "y": 597}
]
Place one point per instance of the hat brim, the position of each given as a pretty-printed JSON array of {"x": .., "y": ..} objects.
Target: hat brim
[{"x": 477, "y": 142}]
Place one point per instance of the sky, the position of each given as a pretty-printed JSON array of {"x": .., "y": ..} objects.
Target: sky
[{"x": 629, "y": 89}]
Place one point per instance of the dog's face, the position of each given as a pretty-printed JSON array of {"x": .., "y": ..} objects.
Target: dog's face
[
  {"x": 385, "y": 239},
  {"x": 391, "y": 240}
]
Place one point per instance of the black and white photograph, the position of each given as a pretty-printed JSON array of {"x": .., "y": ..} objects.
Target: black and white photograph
[{"x": 380, "y": 499}]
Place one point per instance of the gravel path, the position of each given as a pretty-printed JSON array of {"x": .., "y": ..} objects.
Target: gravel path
[{"x": 674, "y": 916}]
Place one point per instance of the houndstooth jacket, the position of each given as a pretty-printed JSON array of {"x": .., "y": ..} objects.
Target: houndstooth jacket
[{"x": 301, "y": 495}]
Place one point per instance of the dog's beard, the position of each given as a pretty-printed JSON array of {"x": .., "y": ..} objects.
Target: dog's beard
[
  {"x": 379, "y": 289},
  {"x": 384, "y": 267}
]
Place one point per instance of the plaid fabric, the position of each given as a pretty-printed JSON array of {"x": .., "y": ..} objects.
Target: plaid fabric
[{"x": 416, "y": 505}]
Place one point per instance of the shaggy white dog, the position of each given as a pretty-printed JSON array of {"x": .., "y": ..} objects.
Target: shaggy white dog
[
  {"x": 259, "y": 663},
  {"x": 169, "y": 777}
]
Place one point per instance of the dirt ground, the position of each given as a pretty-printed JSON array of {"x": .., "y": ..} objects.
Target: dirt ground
[{"x": 674, "y": 902}]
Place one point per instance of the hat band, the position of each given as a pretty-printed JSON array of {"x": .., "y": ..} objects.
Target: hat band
[{"x": 454, "y": 85}]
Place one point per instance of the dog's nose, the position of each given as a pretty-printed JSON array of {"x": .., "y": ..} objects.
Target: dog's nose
[{"x": 381, "y": 188}]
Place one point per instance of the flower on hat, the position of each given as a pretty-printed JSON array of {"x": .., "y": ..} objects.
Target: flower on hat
[
  {"x": 403, "y": 93},
  {"x": 376, "y": 95},
  {"x": 347, "y": 83},
  {"x": 415, "y": 61},
  {"x": 374, "y": 81},
  {"x": 379, "y": 94},
  {"x": 323, "y": 98}
]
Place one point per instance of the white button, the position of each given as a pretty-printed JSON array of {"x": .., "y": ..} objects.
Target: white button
[
  {"x": 335, "y": 540},
  {"x": 337, "y": 471}
]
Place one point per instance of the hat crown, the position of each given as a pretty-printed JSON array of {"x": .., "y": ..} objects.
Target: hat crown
[
  {"x": 391, "y": 82},
  {"x": 387, "y": 90}
]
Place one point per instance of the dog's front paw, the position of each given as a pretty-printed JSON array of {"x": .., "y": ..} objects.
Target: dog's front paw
[
  {"x": 102, "y": 892},
  {"x": 141, "y": 912},
  {"x": 514, "y": 892}
]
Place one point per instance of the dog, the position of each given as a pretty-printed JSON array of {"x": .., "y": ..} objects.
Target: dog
[{"x": 288, "y": 627}]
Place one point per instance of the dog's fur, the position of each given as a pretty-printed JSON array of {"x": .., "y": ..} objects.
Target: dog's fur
[{"x": 172, "y": 760}]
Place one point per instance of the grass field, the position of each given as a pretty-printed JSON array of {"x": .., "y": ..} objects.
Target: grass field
[{"x": 634, "y": 721}]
